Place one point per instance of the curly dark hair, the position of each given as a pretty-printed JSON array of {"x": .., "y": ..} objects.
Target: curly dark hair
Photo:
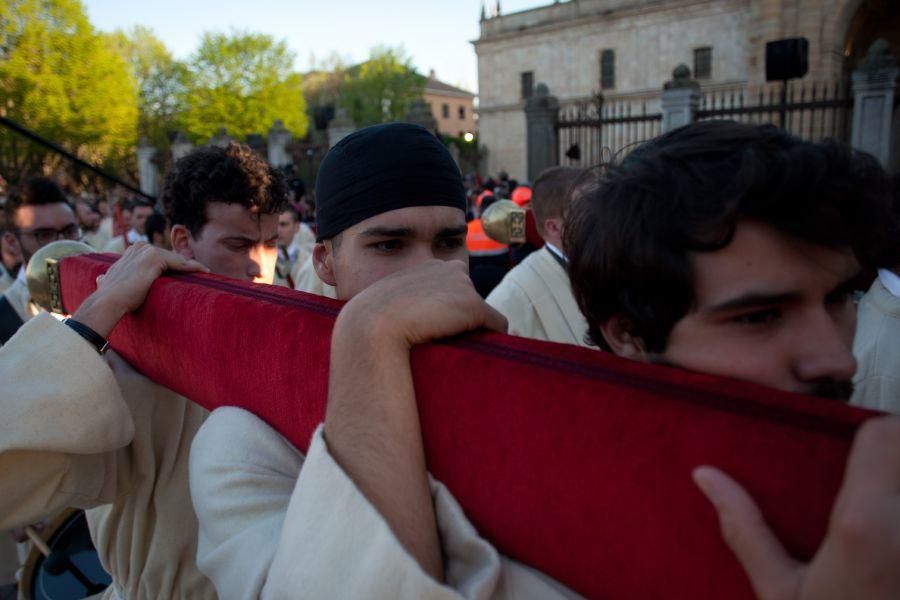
[
  {"x": 232, "y": 175},
  {"x": 36, "y": 191},
  {"x": 630, "y": 237}
]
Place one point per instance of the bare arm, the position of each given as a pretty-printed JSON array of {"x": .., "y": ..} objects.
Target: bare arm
[{"x": 372, "y": 422}]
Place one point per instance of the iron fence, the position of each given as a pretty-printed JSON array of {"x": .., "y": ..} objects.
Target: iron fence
[
  {"x": 809, "y": 111},
  {"x": 591, "y": 133}
]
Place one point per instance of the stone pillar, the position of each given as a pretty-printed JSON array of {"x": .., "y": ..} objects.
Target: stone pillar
[
  {"x": 279, "y": 138},
  {"x": 876, "y": 124},
  {"x": 453, "y": 149},
  {"x": 221, "y": 139},
  {"x": 420, "y": 114},
  {"x": 259, "y": 145},
  {"x": 339, "y": 127},
  {"x": 680, "y": 99},
  {"x": 541, "y": 114},
  {"x": 180, "y": 146},
  {"x": 148, "y": 174}
]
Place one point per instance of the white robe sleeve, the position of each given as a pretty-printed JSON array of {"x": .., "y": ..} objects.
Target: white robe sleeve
[
  {"x": 61, "y": 417},
  {"x": 265, "y": 532},
  {"x": 242, "y": 475}
]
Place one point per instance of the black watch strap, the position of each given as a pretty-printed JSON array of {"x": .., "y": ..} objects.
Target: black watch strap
[{"x": 92, "y": 337}]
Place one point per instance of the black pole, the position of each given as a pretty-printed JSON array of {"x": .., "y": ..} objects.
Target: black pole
[
  {"x": 783, "y": 110},
  {"x": 60, "y": 150}
]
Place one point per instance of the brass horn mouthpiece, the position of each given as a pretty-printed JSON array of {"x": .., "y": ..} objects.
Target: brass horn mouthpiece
[
  {"x": 504, "y": 222},
  {"x": 42, "y": 272}
]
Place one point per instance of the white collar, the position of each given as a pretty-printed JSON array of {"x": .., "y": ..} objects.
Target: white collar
[
  {"x": 556, "y": 251},
  {"x": 21, "y": 275},
  {"x": 135, "y": 237},
  {"x": 890, "y": 280}
]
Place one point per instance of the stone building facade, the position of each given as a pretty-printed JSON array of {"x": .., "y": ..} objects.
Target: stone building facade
[
  {"x": 627, "y": 49},
  {"x": 453, "y": 108}
]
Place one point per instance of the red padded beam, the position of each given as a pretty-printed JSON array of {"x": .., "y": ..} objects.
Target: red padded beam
[{"x": 570, "y": 460}]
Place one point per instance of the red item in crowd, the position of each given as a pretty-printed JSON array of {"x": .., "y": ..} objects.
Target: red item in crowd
[{"x": 521, "y": 195}]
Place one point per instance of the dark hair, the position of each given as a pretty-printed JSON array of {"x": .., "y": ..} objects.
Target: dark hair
[
  {"x": 141, "y": 203},
  {"x": 630, "y": 236},
  {"x": 231, "y": 175},
  {"x": 550, "y": 193},
  {"x": 295, "y": 215},
  {"x": 487, "y": 201},
  {"x": 37, "y": 191},
  {"x": 155, "y": 223}
]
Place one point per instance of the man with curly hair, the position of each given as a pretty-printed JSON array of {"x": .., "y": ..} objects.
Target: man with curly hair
[{"x": 95, "y": 434}]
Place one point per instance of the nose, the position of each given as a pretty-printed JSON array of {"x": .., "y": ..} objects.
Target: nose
[
  {"x": 824, "y": 350},
  {"x": 254, "y": 263}
]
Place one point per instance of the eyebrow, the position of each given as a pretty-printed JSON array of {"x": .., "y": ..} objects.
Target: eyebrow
[
  {"x": 389, "y": 232},
  {"x": 453, "y": 231},
  {"x": 758, "y": 299},
  {"x": 750, "y": 300},
  {"x": 239, "y": 238}
]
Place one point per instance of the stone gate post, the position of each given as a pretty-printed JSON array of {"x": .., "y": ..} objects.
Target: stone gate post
[
  {"x": 541, "y": 115},
  {"x": 876, "y": 122},
  {"x": 680, "y": 99}
]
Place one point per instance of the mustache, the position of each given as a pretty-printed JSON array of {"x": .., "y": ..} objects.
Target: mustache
[
  {"x": 829, "y": 389},
  {"x": 832, "y": 389}
]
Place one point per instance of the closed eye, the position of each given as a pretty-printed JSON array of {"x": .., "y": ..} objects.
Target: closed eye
[
  {"x": 237, "y": 245},
  {"x": 758, "y": 317}
]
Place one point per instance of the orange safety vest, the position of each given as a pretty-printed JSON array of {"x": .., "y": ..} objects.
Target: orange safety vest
[{"x": 478, "y": 242}]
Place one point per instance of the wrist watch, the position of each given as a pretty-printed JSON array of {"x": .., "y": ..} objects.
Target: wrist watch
[{"x": 96, "y": 340}]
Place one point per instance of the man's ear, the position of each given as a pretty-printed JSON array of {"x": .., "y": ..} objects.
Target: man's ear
[
  {"x": 553, "y": 226},
  {"x": 323, "y": 262},
  {"x": 617, "y": 332},
  {"x": 181, "y": 240}
]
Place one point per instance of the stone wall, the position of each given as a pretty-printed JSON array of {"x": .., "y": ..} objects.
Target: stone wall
[{"x": 561, "y": 44}]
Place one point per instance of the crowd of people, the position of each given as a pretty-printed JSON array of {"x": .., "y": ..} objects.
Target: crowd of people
[{"x": 729, "y": 249}]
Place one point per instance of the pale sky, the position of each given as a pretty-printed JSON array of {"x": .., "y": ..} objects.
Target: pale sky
[{"x": 435, "y": 33}]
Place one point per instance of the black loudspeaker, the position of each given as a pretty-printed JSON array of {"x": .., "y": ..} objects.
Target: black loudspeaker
[{"x": 787, "y": 59}]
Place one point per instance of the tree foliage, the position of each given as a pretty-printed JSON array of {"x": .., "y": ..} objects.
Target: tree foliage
[
  {"x": 243, "y": 82},
  {"x": 382, "y": 88},
  {"x": 162, "y": 83},
  {"x": 64, "y": 80}
]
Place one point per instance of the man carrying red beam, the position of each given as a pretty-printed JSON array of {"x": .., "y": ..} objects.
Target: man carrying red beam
[
  {"x": 722, "y": 248},
  {"x": 83, "y": 430}
]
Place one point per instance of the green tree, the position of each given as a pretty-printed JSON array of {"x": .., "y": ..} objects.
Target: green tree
[
  {"x": 323, "y": 83},
  {"x": 243, "y": 82},
  {"x": 64, "y": 80},
  {"x": 382, "y": 88},
  {"x": 162, "y": 83}
]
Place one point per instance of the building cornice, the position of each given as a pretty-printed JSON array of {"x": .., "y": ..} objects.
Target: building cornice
[{"x": 576, "y": 19}]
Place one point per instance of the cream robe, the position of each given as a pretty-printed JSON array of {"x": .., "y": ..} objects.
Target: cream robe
[
  {"x": 307, "y": 280},
  {"x": 97, "y": 239},
  {"x": 277, "y": 526},
  {"x": 877, "y": 348},
  {"x": 6, "y": 280},
  {"x": 78, "y": 430},
  {"x": 302, "y": 254},
  {"x": 305, "y": 239},
  {"x": 19, "y": 298},
  {"x": 536, "y": 298}
]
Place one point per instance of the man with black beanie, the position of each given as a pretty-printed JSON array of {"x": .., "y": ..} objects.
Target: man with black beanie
[{"x": 389, "y": 198}]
